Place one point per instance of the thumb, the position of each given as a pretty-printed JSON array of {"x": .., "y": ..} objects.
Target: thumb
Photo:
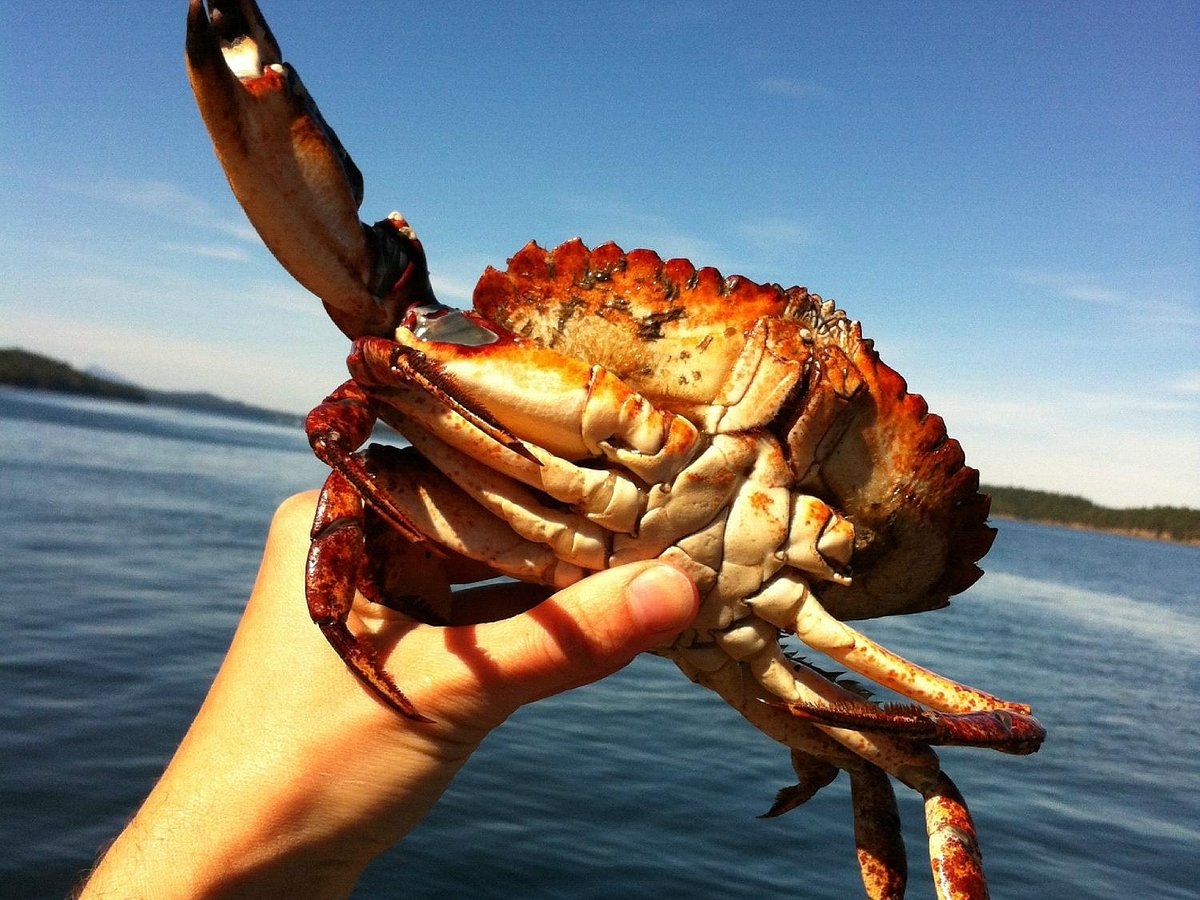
[{"x": 584, "y": 632}]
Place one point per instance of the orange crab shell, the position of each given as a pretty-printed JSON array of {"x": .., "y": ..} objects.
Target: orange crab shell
[{"x": 857, "y": 438}]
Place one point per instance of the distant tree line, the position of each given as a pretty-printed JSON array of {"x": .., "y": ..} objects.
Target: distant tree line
[
  {"x": 32, "y": 370},
  {"x": 21, "y": 368},
  {"x": 1173, "y": 523}
]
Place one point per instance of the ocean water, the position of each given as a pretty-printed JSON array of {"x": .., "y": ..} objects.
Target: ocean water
[{"x": 130, "y": 537}]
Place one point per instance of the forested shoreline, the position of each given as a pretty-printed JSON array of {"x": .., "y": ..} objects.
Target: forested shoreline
[
  {"x": 1180, "y": 524},
  {"x": 23, "y": 369}
]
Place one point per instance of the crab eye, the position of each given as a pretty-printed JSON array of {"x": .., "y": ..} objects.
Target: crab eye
[{"x": 451, "y": 327}]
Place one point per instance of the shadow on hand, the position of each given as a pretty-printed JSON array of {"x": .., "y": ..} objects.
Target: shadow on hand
[{"x": 491, "y": 603}]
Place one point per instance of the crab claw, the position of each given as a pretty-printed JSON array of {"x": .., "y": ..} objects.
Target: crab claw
[{"x": 292, "y": 176}]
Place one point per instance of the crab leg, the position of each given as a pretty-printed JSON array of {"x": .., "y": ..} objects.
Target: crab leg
[
  {"x": 749, "y": 671},
  {"x": 787, "y": 603},
  {"x": 813, "y": 772},
  {"x": 954, "y": 853},
  {"x": 878, "y": 839},
  {"x": 606, "y": 498},
  {"x": 434, "y": 509},
  {"x": 336, "y": 428},
  {"x": 571, "y": 537},
  {"x": 444, "y": 514},
  {"x": 289, "y": 171},
  {"x": 568, "y": 407},
  {"x": 953, "y": 846},
  {"x": 818, "y": 700},
  {"x": 337, "y": 549},
  {"x": 998, "y": 729}
]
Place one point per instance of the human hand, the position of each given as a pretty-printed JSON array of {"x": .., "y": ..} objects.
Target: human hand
[{"x": 293, "y": 776}]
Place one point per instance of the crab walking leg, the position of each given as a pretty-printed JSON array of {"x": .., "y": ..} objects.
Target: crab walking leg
[
  {"x": 879, "y": 843},
  {"x": 813, "y": 773},
  {"x": 446, "y": 515},
  {"x": 607, "y": 498},
  {"x": 337, "y": 549},
  {"x": 572, "y": 537},
  {"x": 418, "y": 387},
  {"x": 754, "y": 643},
  {"x": 336, "y": 428},
  {"x": 440, "y": 511},
  {"x": 812, "y": 697},
  {"x": 951, "y": 833},
  {"x": 729, "y": 466},
  {"x": 716, "y": 670},
  {"x": 953, "y": 846},
  {"x": 954, "y": 853},
  {"x": 788, "y": 603},
  {"x": 878, "y": 840},
  {"x": 998, "y": 729}
]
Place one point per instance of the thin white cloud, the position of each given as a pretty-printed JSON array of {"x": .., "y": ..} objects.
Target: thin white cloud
[
  {"x": 288, "y": 296},
  {"x": 242, "y": 230},
  {"x": 1072, "y": 286},
  {"x": 158, "y": 197},
  {"x": 211, "y": 251},
  {"x": 1093, "y": 293},
  {"x": 1155, "y": 299},
  {"x": 1187, "y": 384},
  {"x": 169, "y": 201},
  {"x": 1122, "y": 470},
  {"x": 749, "y": 247},
  {"x": 601, "y": 219},
  {"x": 1117, "y": 448},
  {"x": 778, "y": 232},
  {"x": 167, "y": 293},
  {"x": 1150, "y": 401},
  {"x": 1043, "y": 410},
  {"x": 453, "y": 290},
  {"x": 792, "y": 88}
]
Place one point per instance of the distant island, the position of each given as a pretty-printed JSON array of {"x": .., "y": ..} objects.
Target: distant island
[
  {"x": 1168, "y": 523},
  {"x": 20, "y": 368},
  {"x": 1179, "y": 524}
]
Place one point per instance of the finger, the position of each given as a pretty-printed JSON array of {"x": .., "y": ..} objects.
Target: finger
[{"x": 581, "y": 634}]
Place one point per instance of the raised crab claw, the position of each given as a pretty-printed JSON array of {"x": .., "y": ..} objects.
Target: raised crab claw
[{"x": 598, "y": 407}]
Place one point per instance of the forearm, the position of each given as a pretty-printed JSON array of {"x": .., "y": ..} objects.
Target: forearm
[
  {"x": 245, "y": 811},
  {"x": 195, "y": 850},
  {"x": 248, "y": 834}
]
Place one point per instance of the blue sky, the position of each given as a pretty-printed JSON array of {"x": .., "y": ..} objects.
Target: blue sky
[{"x": 1006, "y": 195}]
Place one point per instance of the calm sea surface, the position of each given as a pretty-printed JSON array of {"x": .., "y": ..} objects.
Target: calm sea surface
[{"x": 129, "y": 540}]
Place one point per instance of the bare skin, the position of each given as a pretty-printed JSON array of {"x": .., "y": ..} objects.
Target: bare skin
[{"x": 292, "y": 777}]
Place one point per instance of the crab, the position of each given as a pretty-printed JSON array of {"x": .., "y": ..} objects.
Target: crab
[{"x": 598, "y": 407}]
